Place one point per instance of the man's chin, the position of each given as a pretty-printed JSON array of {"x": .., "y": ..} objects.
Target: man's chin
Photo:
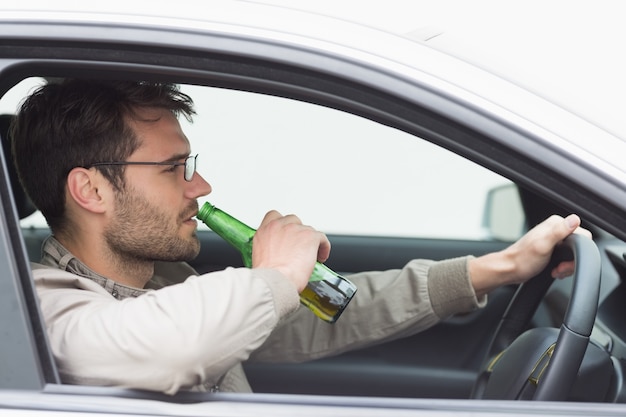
[
  {"x": 186, "y": 250},
  {"x": 192, "y": 252}
]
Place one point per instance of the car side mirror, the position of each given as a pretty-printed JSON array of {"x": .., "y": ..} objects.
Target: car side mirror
[{"x": 504, "y": 217}]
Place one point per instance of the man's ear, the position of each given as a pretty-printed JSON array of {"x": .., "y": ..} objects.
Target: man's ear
[{"x": 85, "y": 188}]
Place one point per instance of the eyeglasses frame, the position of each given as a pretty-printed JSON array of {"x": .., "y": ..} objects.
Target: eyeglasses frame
[{"x": 189, "y": 164}]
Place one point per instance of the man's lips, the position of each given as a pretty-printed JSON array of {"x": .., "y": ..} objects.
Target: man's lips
[
  {"x": 191, "y": 219},
  {"x": 190, "y": 216}
]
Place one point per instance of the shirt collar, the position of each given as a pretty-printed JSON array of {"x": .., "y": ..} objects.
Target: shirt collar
[{"x": 56, "y": 255}]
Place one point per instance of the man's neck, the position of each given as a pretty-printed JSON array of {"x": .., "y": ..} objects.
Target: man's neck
[{"x": 128, "y": 271}]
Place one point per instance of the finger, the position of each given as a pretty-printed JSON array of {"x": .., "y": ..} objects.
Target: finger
[
  {"x": 563, "y": 270},
  {"x": 270, "y": 216},
  {"x": 323, "y": 251},
  {"x": 572, "y": 221},
  {"x": 292, "y": 218},
  {"x": 567, "y": 226},
  {"x": 560, "y": 228},
  {"x": 584, "y": 232}
]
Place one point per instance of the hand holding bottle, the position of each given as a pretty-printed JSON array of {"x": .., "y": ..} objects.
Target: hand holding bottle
[
  {"x": 289, "y": 246},
  {"x": 284, "y": 243}
]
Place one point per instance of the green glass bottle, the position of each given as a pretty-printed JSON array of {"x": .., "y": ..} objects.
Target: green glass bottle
[{"x": 327, "y": 294}]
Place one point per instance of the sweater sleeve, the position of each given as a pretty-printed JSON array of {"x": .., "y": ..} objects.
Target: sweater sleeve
[
  {"x": 388, "y": 305},
  {"x": 450, "y": 288},
  {"x": 166, "y": 340}
]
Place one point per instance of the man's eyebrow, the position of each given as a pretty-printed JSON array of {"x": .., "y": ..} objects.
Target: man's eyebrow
[{"x": 176, "y": 157}]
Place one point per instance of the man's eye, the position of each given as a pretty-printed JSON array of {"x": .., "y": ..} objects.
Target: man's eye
[{"x": 172, "y": 168}]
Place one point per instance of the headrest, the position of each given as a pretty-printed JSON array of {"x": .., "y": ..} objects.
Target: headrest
[{"x": 25, "y": 207}]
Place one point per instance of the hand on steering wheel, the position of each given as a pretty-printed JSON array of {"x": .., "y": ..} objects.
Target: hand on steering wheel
[{"x": 542, "y": 363}]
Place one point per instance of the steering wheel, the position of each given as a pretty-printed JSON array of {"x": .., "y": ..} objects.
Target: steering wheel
[{"x": 542, "y": 363}]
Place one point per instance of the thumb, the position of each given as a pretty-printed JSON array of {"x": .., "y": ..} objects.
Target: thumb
[
  {"x": 559, "y": 228},
  {"x": 572, "y": 222}
]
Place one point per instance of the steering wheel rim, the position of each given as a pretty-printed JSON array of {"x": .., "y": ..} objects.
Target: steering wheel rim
[{"x": 509, "y": 345}]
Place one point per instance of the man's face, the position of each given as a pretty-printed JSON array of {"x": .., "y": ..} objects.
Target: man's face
[{"x": 153, "y": 215}]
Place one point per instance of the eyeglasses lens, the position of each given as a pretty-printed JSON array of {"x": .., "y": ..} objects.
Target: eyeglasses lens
[{"x": 190, "y": 167}]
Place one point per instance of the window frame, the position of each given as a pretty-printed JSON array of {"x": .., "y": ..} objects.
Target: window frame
[{"x": 271, "y": 76}]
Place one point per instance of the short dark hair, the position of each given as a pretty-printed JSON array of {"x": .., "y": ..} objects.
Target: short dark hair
[{"x": 76, "y": 123}]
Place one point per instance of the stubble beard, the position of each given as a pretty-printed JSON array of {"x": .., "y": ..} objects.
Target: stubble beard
[{"x": 144, "y": 232}]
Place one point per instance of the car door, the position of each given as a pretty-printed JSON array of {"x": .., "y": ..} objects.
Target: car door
[{"x": 383, "y": 196}]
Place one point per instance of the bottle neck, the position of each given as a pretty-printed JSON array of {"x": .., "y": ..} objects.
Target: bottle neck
[{"x": 233, "y": 231}]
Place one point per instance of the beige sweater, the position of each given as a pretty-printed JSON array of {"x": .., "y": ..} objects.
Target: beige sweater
[{"x": 191, "y": 332}]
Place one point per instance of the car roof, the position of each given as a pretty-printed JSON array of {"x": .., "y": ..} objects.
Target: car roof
[{"x": 562, "y": 50}]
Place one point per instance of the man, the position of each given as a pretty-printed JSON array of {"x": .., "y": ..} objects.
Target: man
[{"x": 110, "y": 168}]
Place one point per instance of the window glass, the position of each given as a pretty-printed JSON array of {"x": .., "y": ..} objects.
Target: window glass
[
  {"x": 341, "y": 173},
  {"x": 338, "y": 172}
]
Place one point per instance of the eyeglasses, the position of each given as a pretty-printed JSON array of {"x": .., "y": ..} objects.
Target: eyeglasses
[{"x": 189, "y": 164}]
